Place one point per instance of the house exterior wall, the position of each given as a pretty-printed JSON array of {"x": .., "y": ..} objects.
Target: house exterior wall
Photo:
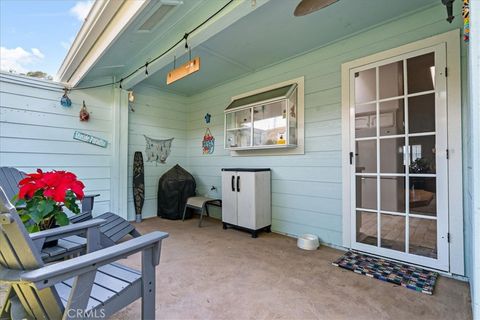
[
  {"x": 37, "y": 132},
  {"x": 306, "y": 188},
  {"x": 158, "y": 115}
]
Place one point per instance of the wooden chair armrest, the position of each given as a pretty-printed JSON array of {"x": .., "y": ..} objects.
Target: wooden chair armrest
[
  {"x": 10, "y": 276},
  {"x": 66, "y": 231},
  {"x": 50, "y": 275}
]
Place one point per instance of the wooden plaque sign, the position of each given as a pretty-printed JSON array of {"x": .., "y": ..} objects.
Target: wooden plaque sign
[{"x": 184, "y": 70}]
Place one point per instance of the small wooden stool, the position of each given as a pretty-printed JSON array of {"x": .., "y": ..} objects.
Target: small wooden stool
[{"x": 201, "y": 203}]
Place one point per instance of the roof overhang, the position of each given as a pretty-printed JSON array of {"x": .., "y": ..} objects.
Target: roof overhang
[
  {"x": 104, "y": 24},
  {"x": 109, "y": 21}
]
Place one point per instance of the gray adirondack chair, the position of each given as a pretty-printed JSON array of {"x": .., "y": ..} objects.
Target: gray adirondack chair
[
  {"x": 112, "y": 229},
  {"x": 86, "y": 287}
]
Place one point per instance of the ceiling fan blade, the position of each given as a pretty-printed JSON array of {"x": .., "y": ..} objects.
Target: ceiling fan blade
[{"x": 308, "y": 6}]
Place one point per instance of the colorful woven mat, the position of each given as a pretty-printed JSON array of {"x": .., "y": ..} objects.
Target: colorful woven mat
[{"x": 411, "y": 277}]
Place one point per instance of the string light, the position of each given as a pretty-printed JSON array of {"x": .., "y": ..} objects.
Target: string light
[
  {"x": 159, "y": 56},
  {"x": 186, "y": 41}
]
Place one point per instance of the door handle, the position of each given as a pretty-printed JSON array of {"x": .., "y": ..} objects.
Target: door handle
[
  {"x": 238, "y": 183},
  {"x": 233, "y": 183}
]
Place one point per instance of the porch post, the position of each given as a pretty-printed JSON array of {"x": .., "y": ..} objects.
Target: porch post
[
  {"x": 474, "y": 83},
  {"x": 119, "y": 166}
]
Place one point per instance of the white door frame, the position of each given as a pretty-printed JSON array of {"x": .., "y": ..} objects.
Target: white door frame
[{"x": 454, "y": 136}]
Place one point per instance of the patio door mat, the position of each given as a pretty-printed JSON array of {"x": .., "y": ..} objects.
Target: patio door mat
[{"x": 411, "y": 277}]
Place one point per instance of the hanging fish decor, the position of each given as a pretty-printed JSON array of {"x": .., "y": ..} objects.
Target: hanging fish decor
[
  {"x": 65, "y": 100},
  {"x": 208, "y": 142},
  {"x": 84, "y": 114}
]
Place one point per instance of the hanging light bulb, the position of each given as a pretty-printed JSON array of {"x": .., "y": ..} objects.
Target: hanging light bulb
[
  {"x": 186, "y": 41},
  {"x": 131, "y": 97},
  {"x": 131, "y": 100}
]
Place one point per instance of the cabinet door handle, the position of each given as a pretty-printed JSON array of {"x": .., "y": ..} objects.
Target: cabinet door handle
[
  {"x": 238, "y": 183},
  {"x": 233, "y": 183}
]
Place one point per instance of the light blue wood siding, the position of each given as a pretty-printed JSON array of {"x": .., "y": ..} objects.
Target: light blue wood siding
[
  {"x": 158, "y": 115},
  {"x": 306, "y": 188},
  {"x": 37, "y": 132}
]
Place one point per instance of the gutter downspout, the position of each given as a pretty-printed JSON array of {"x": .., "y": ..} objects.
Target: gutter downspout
[{"x": 474, "y": 83}]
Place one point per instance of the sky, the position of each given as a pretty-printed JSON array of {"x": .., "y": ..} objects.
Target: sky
[{"x": 35, "y": 35}]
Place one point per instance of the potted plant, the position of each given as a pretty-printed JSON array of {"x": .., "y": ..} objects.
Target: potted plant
[{"x": 42, "y": 197}]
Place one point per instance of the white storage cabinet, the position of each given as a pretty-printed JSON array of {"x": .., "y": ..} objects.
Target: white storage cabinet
[{"x": 246, "y": 199}]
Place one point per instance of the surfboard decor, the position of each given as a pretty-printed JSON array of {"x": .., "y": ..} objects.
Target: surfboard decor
[{"x": 138, "y": 185}]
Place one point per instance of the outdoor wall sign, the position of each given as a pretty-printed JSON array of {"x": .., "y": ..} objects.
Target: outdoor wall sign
[
  {"x": 90, "y": 139},
  {"x": 157, "y": 150}
]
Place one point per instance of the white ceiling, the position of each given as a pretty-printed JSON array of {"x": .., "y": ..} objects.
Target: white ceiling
[{"x": 268, "y": 35}]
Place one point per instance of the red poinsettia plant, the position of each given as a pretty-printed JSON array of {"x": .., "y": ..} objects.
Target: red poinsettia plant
[{"x": 43, "y": 195}]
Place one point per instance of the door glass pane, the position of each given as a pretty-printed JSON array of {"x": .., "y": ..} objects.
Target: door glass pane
[
  {"x": 364, "y": 114},
  {"x": 270, "y": 123},
  {"x": 422, "y": 154},
  {"x": 391, "y": 155},
  {"x": 392, "y": 232},
  {"x": 421, "y": 73},
  {"x": 421, "y": 113},
  {"x": 392, "y": 194},
  {"x": 367, "y": 227},
  {"x": 239, "y": 126},
  {"x": 391, "y": 80},
  {"x": 423, "y": 237},
  {"x": 392, "y": 117},
  {"x": 423, "y": 192},
  {"x": 366, "y": 156},
  {"x": 365, "y": 86},
  {"x": 366, "y": 192}
]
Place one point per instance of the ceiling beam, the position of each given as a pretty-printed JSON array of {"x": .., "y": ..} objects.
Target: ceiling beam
[{"x": 230, "y": 15}]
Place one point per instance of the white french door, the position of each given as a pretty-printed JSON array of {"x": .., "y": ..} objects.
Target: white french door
[{"x": 399, "y": 168}]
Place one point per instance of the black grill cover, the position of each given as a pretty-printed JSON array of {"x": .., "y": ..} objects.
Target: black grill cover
[{"x": 174, "y": 188}]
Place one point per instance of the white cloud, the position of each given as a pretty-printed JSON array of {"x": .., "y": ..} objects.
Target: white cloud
[
  {"x": 37, "y": 53},
  {"x": 81, "y": 9},
  {"x": 19, "y": 59}
]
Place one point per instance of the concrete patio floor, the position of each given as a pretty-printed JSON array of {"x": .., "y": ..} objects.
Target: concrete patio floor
[{"x": 211, "y": 273}]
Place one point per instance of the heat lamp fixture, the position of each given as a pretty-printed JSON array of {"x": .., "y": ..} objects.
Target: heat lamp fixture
[{"x": 189, "y": 67}]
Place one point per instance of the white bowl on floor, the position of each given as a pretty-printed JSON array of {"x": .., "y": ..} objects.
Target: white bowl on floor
[{"x": 308, "y": 242}]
